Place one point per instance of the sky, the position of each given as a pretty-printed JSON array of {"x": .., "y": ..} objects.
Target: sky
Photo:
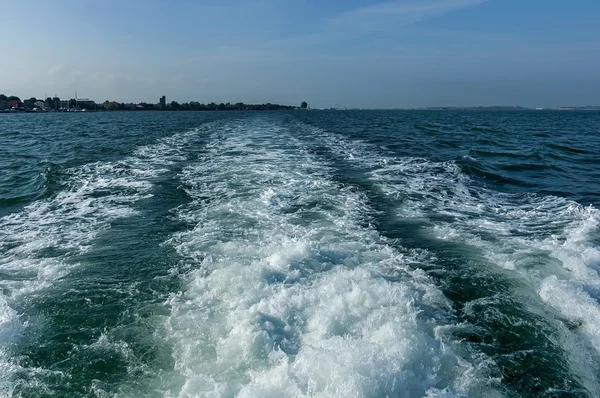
[{"x": 330, "y": 53}]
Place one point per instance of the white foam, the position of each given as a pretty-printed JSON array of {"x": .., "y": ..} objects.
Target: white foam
[
  {"x": 548, "y": 241},
  {"x": 38, "y": 243},
  {"x": 294, "y": 295}
]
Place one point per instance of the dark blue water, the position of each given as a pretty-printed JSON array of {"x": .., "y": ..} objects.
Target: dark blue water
[{"x": 300, "y": 254}]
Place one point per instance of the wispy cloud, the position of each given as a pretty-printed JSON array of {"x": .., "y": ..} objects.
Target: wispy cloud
[{"x": 381, "y": 16}]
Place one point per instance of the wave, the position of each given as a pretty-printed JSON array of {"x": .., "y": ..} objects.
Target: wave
[
  {"x": 289, "y": 290},
  {"x": 568, "y": 149},
  {"x": 543, "y": 248},
  {"x": 39, "y": 245}
]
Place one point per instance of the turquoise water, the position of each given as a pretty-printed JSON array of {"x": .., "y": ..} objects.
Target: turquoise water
[{"x": 300, "y": 254}]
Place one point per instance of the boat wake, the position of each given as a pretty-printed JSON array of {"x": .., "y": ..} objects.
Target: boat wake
[{"x": 293, "y": 292}]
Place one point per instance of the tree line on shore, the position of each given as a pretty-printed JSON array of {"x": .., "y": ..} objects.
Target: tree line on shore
[
  {"x": 239, "y": 106},
  {"x": 10, "y": 101},
  {"x": 55, "y": 103}
]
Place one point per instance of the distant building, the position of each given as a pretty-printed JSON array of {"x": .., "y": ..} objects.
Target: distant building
[
  {"x": 163, "y": 102},
  {"x": 40, "y": 104},
  {"x": 14, "y": 104}
]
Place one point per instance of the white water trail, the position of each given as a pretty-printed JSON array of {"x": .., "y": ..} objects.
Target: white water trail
[
  {"x": 551, "y": 243},
  {"x": 38, "y": 243},
  {"x": 292, "y": 293}
]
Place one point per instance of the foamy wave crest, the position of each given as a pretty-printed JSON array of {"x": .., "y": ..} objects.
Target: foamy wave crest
[
  {"x": 293, "y": 293},
  {"x": 551, "y": 243},
  {"x": 37, "y": 244}
]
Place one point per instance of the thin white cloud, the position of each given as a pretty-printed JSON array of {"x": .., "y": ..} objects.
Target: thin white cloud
[
  {"x": 381, "y": 16},
  {"x": 385, "y": 16}
]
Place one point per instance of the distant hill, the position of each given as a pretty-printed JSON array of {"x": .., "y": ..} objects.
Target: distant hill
[
  {"x": 480, "y": 108},
  {"x": 511, "y": 108}
]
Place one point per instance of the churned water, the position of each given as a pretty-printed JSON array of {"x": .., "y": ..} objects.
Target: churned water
[{"x": 300, "y": 254}]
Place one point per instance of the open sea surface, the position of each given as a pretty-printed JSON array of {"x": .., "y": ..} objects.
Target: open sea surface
[{"x": 300, "y": 254}]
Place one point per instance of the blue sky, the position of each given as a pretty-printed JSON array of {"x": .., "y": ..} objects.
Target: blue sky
[{"x": 353, "y": 53}]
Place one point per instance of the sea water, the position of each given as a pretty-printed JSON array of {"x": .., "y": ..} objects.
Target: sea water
[{"x": 300, "y": 254}]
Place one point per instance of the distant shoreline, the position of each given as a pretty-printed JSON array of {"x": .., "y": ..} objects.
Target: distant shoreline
[
  {"x": 147, "y": 110},
  {"x": 13, "y": 104},
  {"x": 447, "y": 109},
  {"x": 509, "y": 108}
]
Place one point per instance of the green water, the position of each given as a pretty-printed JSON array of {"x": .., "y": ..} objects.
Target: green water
[{"x": 367, "y": 253}]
